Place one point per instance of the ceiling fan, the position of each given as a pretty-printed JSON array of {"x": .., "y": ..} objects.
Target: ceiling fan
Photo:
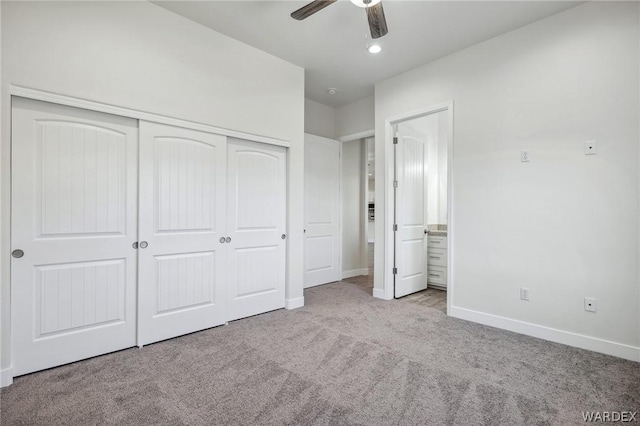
[{"x": 375, "y": 14}]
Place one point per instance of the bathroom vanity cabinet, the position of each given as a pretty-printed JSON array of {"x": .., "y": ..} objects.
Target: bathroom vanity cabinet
[{"x": 437, "y": 261}]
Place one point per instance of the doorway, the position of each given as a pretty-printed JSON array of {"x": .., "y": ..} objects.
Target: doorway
[
  {"x": 358, "y": 211},
  {"x": 420, "y": 206}
]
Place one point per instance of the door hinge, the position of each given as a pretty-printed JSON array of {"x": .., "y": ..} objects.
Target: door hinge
[
  {"x": 395, "y": 227},
  {"x": 395, "y": 271},
  {"x": 395, "y": 140},
  {"x": 395, "y": 183}
]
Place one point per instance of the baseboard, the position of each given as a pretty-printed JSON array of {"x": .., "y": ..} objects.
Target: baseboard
[
  {"x": 619, "y": 350},
  {"x": 6, "y": 377},
  {"x": 355, "y": 273},
  {"x": 294, "y": 303},
  {"x": 379, "y": 294}
]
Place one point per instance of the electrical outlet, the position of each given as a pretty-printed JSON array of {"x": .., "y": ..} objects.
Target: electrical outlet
[
  {"x": 589, "y": 304},
  {"x": 590, "y": 148},
  {"x": 524, "y": 293},
  {"x": 525, "y": 156}
]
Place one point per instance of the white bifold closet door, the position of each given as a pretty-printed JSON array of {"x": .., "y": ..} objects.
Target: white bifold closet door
[
  {"x": 74, "y": 220},
  {"x": 256, "y": 228},
  {"x": 182, "y": 221}
]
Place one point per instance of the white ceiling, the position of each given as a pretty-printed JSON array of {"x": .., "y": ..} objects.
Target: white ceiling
[{"x": 330, "y": 45}]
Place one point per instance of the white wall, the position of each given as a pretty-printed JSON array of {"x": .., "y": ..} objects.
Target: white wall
[
  {"x": 319, "y": 119},
  {"x": 355, "y": 117},
  {"x": 443, "y": 166},
  {"x": 5, "y": 290},
  {"x": 432, "y": 168},
  {"x": 565, "y": 225},
  {"x": 140, "y": 56},
  {"x": 353, "y": 208}
]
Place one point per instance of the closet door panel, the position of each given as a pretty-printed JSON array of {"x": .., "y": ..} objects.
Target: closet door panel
[
  {"x": 182, "y": 217},
  {"x": 74, "y": 220},
  {"x": 256, "y": 224}
]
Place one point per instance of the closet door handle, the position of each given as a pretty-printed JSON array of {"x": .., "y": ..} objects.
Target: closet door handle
[
  {"x": 144, "y": 244},
  {"x": 135, "y": 245},
  {"x": 222, "y": 240},
  {"x": 17, "y": 253},
  {"x": 228, "y": 239},
  {"x": 283, "y": 236}
]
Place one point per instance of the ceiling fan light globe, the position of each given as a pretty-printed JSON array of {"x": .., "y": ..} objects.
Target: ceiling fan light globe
[{"x": 361, "y": 3}]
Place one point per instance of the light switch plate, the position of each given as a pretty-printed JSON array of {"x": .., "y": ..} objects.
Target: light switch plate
[{"x": 590, "y": 148}]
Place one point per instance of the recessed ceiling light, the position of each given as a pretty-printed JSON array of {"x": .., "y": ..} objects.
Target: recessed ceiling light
[
  {"x": 332, "y": 91},
  {"x": 374, "y": 48},
  {"x": 365, "y": 3}
]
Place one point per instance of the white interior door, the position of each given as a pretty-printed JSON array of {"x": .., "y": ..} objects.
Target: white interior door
[
  {"x": 182, "y": 218},
  {"x": 74, "y": 210},
  {"x": 256, "y": 228},
  {"x": 410, "y": 213},
  {"x": 322, "y": 251}
]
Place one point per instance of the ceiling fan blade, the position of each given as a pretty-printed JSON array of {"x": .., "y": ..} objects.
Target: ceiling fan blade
[
  {"x": 310, "y": 9},
  {"x": 377, "y": 21}
]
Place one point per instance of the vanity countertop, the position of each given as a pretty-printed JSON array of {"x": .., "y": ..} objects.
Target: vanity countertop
[{"x": 438, "y": 233}]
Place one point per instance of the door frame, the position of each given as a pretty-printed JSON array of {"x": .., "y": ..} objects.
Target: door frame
[{"x": 389, "y": 217}]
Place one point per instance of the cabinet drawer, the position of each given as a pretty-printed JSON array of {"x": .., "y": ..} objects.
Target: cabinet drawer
[
  {"x": 437, "y": 242},
  {"x": 437, "y": 275},
  {"x": 437, "y": 256}
]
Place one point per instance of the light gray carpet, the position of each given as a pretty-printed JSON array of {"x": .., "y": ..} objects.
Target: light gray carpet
[{"x": 345, "y": 358}]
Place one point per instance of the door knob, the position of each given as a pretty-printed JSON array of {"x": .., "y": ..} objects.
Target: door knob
[
  {"x": 283, "y": 236},
  {"x": 135, "y": 245},
  {"x": 228, "y": 239},
  {"x": 426, "y": 232},
  {"x": 222, "y": 240},
  {"x": 17, "y": 253},
  {"x": 144, "y": 244}
]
